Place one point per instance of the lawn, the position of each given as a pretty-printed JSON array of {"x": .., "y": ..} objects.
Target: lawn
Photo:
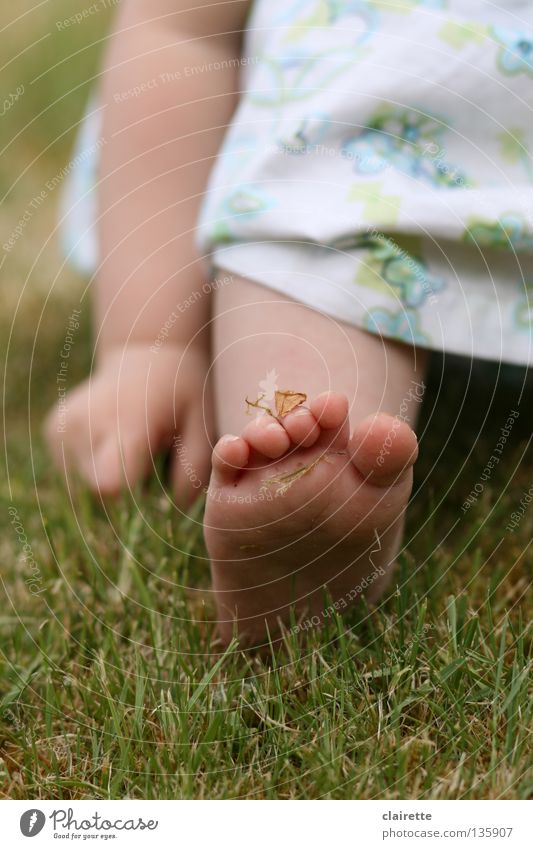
[{"x": 112, "y": 684}]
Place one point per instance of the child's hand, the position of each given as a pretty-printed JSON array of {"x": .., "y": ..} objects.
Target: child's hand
[{"x": 134, "y": 404}]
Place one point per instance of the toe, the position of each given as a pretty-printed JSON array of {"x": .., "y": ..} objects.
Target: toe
[
  {"x": 330, "y": 410},
  {"x": 230, "y": 456},
  {"x": 267, "y": 436},
  {"x": 301, "y": 426},
  {"x": 384, "y": 448}
]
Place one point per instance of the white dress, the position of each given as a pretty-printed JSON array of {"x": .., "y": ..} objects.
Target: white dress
[{"x": 379, "y": 168}]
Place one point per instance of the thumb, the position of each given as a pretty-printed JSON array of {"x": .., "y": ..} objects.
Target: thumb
[{"x": 116, "y": 465}]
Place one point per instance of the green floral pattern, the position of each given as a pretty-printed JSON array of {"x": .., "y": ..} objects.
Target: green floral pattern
[{"x": 510, "y": 232}]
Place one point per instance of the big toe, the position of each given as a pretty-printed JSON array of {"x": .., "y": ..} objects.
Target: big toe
[{"x": 383, "y": 448}]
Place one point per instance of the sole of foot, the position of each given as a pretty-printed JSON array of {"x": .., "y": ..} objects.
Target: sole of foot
[{"x": 303, "y": 518}]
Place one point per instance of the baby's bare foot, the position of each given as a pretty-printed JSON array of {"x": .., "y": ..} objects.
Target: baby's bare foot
[{"x": 301, "y": 514}]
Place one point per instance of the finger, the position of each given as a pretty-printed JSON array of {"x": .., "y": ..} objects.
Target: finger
[{"x": 113, "y": 466}]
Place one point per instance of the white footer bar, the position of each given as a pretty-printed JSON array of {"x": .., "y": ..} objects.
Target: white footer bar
[{"x": 267, "y": 825}]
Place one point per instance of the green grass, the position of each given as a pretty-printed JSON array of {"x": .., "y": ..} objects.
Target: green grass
[{"x": 110, "y": 692}]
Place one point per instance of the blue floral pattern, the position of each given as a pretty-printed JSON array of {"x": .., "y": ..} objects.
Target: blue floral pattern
[
  {"x": 411, "y": 279},
  {"x": 407, "y": 139},
  {"x": 308, "y": 135},
  {"x": 241, "y": 203},
  {"x": 516, "y": 52},
  {"x": 385, "y": 265},
  {"x": 403, "y": 325}
]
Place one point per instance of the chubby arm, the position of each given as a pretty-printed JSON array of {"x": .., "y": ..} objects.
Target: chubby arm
[{"x": 166, "y": 110}]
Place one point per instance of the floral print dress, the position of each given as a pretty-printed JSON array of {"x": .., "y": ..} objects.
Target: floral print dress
[{"x": 379, "y": 168}]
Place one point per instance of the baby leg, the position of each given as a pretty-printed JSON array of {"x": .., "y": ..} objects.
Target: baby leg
[{"x": 278, "y": 539}]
